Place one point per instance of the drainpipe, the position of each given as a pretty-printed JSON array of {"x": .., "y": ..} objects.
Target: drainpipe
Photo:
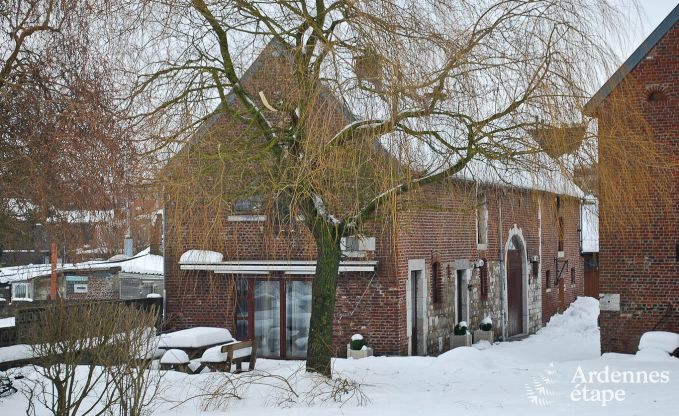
[
  {"x": 163, "y": 243},
  {"x": 538, "y": 278},
  {"x": 500, "y": 252}
]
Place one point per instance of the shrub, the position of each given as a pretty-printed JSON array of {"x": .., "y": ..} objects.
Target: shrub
[
  {"x": 357, "y": 342},
  {"x": 460, "y": 328},
  {"x": 486, "y": 324}
]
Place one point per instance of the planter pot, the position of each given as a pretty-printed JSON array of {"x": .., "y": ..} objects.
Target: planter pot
[
  {"x": 365, "y": 352},
  {"x": 461, "y": 340},
  {"x": 480, "y": 335}
]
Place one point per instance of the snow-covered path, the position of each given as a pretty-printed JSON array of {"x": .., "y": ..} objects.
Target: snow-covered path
[{"x": 540, "y": 375}]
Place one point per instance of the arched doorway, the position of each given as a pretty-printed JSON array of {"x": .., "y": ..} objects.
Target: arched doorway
[{"x": 515, "y": 289}]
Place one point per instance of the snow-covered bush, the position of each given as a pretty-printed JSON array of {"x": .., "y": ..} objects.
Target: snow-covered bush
[
  {"x": 460, "y": 328},
  {"x": 486, "y": 324},
  {"x": 357, "y": 342}
]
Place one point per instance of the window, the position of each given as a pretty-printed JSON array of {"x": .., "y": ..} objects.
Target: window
[
  {"x": 132, "y": 287},
  {"x": 242, "y": 310},
  {"x": 22, "y": 291},
  {"x": 247, "y": 205},
  {"x": 548, "y": 282},
  {"x": 437, "y": 283},
  {"x": 482, "y": 221},
  {"x": 76, "y": 284},
  {"x": 560, "y": 225},
  {"x": 572, "y": 275},
  {"x": 485, "y": 284}
]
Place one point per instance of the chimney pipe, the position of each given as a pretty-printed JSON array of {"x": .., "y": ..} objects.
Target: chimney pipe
[{"x": 128, "y": 247}]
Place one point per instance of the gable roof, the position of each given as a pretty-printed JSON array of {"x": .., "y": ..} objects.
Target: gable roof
[
  {"x": 550, "y": 179},
  {"x": 637, "y": 56}
]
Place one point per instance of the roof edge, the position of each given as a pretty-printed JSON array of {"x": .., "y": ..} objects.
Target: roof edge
[{"x": 634, "y": 59}]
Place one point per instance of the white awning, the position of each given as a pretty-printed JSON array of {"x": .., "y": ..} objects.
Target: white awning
[{"x": 285, "y": 266}]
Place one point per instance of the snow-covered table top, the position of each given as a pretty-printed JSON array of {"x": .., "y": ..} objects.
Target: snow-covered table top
[
  {"x": 15, "y": 352},
  {"x": 6, "y": 322},
  {"x": 195, "y": 338}
]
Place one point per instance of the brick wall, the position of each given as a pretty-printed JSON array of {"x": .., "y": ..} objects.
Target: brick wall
[
  {"x": 434, "y": 223},
  {"x": 638, "y": 258}
]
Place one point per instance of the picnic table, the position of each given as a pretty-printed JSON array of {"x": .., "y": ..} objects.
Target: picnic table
[
  {"x": 209, "y": 348},
  {"x": 194, "y": 341}
]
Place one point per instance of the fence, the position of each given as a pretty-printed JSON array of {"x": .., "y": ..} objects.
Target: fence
[{"x": 27, "y": 317}]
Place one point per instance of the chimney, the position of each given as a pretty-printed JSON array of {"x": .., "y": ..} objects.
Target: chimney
[
  {"x": 128, "y": 247},
  {"x": 156, "y": 234}
]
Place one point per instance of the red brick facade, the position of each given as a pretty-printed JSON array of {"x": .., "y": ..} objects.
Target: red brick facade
[
  {"x": 639, "y": 261},
  {"x": 437, "y": 223}
]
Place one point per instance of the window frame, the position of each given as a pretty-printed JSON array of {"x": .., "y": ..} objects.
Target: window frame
[
  {"x": 69, "y": 284},
  {"x": 481, "y": 221},
  {"x": 28, "y": 291}
]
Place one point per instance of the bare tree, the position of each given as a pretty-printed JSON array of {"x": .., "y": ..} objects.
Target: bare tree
[
  {"x": 360, "y": 102},
  {"x": 93, "y": 358},
  {"x": 62, "y": 149}
]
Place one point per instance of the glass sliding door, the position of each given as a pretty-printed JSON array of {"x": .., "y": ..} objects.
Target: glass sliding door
[
  {"x": 267, "y": 317},
  {"x": 298, "y": 312},
  {"x": 242, "y": 309}
]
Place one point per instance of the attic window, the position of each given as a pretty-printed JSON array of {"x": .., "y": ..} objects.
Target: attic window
[{"x": 248, "y": 205}]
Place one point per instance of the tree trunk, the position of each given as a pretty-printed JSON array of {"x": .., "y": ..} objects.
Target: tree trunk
[{"x": 324, "y": 287}]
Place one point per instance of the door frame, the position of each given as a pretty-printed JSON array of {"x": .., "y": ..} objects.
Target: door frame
[
  {"x": 464, "y": 292},
  {"x": 418, "y": 266},
  {"x": 518, "y": 233},
  {"x": 282, "y": 290}
]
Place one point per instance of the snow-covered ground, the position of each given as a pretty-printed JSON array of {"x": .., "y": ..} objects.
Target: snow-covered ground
[{"x": 547, "y": 373}]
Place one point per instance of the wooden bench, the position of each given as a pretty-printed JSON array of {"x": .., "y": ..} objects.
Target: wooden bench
[{"x": 236, "y": 352}]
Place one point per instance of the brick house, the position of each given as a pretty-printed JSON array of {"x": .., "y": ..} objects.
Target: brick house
[
  {"x": 403, "y": 284},
  {"x": 118, "y": 278},
  {"x": 639, "y": 263}
]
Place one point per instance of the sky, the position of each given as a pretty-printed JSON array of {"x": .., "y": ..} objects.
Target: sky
[{"x": 652, "y": 13}]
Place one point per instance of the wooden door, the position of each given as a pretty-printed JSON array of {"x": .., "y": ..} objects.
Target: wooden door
[
  {"x": 514, "y": 292},
  {"x": 592, "y": 283}
]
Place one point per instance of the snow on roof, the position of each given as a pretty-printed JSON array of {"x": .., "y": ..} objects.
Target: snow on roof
[
  {"x": 143, "y": 263},
  {"x": 201, "y": 257},
  {"x": 542, "y": 175},
  {"x": 590, "y": 226}
]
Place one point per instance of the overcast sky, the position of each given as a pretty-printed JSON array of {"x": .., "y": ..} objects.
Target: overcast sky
[{"x": 653, "y": 12}]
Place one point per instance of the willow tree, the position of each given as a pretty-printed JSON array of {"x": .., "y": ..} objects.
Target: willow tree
[{"x": 368, "y": 100}]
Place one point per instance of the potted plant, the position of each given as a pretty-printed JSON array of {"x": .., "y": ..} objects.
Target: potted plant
[
  {"x": 461, "y": 336},
  {"x": 357, "y": 347},
  {"x": 485, "y": 331}
]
